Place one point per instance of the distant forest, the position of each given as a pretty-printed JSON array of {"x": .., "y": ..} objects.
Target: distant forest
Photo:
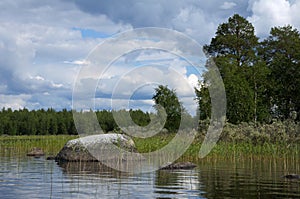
[
  {"x": 51, "y": 122},
  {"x": 261, "y": 79}
]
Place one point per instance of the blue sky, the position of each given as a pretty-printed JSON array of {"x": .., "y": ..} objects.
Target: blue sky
[{"x": 43, "y": 44}]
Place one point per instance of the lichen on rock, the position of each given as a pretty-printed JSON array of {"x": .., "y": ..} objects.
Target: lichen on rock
[{"x": 94, "y": 148}]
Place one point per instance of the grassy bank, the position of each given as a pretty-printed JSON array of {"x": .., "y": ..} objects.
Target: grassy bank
[{"x": 20, "y": 145}]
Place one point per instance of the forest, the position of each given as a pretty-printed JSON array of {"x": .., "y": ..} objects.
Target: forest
[{"x": 261, "y": 79}]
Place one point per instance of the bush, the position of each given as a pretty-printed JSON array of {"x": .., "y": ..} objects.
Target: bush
[{"x": 278, "y": 132}]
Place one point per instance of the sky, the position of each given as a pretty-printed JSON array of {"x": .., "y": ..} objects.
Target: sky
[{"x": 45, "y": 44}]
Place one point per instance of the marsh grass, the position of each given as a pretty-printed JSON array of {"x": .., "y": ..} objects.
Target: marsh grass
[
  {"x": 279, "y": 140},
  {"x": 152, "y": 143},
  {"x": 21, "y": 145},
  {"x": 223, "y": 149}
]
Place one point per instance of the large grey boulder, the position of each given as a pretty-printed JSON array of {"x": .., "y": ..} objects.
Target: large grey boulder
[{"x": 95, "y": 148}]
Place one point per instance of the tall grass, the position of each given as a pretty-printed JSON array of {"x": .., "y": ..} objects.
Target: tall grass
[
  {"x": 223, "y": 149},
  {"x": 152, "y": 143},
  {"x": 20, "y": 145},
  {"x": 279, "y": 139}
]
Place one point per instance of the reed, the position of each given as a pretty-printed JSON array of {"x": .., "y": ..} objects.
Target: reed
[
  {"x": 222, "y": 149},
  {"x": 51, "y": 144},
  {"x": 20, "y": 145}
]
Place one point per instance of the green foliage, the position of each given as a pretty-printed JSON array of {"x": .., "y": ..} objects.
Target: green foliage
[
  {"x": 233, "y": 50},
  {"x": 168, "y": 99},
  {"x": 106, "y": 120},
  {"x": 36, "y": 122},
  {"x": 262, "y": 79},
  {"x": 282, "y": 133},
  {"x": 281, "y": 50},
  {"x": 235, "y": 40},
  {"x": 51, "y": 122},
  {"x": 139, "y": 117},
  {"x": 204, "y": 102}
]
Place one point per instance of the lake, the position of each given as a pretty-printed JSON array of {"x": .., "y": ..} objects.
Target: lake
[{"x": 223, "y": 177}]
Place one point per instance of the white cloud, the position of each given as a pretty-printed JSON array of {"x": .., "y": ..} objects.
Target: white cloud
[
  {"x": 141, "y": 81},
  {"x": 193, "y": 80},
  {"x": 270, "y": 13},
  {"x": 195, "y": 23},
  {"x": 38, "y": 78},
  {"x": 34, "y": 49},
  {"x": 228, "y": 5},
  {"x": 14, "y": 102}
]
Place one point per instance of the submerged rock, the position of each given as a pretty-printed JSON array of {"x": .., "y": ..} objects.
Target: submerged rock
[
  {"x": 179, "y": 165},
  {"x": 292, "y": 176},
  {"x": 50, "y": 158},
  {"x": 36, "y": 152},
  {"x": 95, "y": 148}
]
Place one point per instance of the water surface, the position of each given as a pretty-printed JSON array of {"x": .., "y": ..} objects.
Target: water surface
[{"x": 248, "y": 177}]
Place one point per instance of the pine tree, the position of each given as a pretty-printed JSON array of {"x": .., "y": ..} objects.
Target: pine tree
[{"x": 234, "y": 51}]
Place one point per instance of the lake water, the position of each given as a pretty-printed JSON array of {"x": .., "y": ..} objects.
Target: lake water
[{"x": 249, "y": 177}]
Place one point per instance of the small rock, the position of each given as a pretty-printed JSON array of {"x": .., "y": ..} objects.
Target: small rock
[
  {"x": 292, "y": 176},
  {"x": 179, "y": 165},
  {"x": 36, "y": 152},
  {"x": 50, "y": 158}
]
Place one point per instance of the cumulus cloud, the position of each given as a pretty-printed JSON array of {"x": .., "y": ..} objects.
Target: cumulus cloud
[
  {"x": 43, "y": 45},
  {"x": 197, "y": 18},
  {"x": 270, "y": 13},
  {"x": 14, "y": 102},
  {"x": 35, "y": 50},
  {"x": 134, "y": 82}
]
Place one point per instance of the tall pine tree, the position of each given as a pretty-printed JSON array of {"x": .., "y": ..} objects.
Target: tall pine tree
[{"x": 234, "y": 50}]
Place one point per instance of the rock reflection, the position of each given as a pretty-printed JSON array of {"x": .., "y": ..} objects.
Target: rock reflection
[{"x": 72, "y": 168}]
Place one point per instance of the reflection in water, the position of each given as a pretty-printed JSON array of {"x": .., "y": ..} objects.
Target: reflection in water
[
  {"x": 248, "y": 177},
  {"x": 180, "y": 183}
]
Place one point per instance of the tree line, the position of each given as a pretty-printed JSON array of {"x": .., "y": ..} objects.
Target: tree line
[{"x": 52, "y": 122}]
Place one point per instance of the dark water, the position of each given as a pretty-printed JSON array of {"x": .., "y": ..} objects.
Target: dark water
[{"x": 26, "y": 177}]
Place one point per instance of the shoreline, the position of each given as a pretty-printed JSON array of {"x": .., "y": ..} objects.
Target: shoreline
[{"x": 51, "y": 145}]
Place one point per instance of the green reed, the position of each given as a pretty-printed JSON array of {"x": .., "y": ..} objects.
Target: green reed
[
  {"x": 51, "y": 144},
  {"x": 221, "y": 149},
  {"x": 152, "y": 143},
  {"x": 20, "y": 145}
]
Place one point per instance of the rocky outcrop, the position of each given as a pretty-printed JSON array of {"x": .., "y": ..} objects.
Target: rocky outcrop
[
  {"x": 95, "y": 148},
  {"x": 179, "y": 165},
  {"x": 36, "y": 152}
]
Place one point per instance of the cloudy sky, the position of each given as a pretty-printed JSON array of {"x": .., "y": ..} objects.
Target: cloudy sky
[{"x": 44, "y": 45}]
